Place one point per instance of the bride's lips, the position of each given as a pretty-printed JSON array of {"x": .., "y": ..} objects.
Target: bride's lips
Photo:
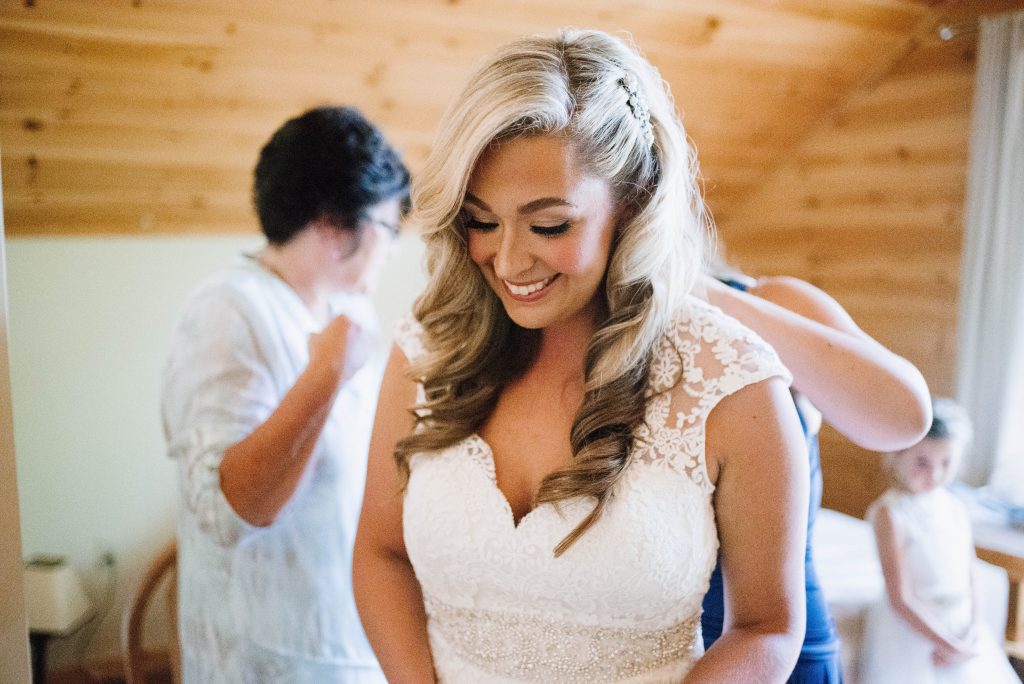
[{"x": 529, "y": 292}]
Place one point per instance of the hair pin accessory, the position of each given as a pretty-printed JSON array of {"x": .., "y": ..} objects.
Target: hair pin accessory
[{"x": 637, "y": 106}]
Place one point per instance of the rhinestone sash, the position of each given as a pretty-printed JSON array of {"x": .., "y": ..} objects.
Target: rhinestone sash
[{"x": 540, "y": 649}]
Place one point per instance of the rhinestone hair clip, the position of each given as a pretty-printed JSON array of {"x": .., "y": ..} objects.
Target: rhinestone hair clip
[{"x": 638, "y": 106}]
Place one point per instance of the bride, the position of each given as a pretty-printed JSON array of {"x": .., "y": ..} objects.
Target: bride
[{"x": 565, "y": 436}]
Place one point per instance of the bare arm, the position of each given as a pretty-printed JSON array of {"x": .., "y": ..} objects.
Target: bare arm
[
  {"x": 757, "y": 454},
  {"x": 901, "y": 594},
  {"x": 259, "y": 474},
  {"x": 387, "y": 593},
  {"x": 877, "y": 399}
]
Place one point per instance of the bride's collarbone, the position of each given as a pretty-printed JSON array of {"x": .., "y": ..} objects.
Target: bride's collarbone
[{"x": 529, "y": 443}]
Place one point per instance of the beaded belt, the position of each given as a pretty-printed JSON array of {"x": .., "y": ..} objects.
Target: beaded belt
[{"x": 541, "y": 649}]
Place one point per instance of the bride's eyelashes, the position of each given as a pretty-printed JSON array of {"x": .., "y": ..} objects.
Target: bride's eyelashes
[
  {"x": 474, "y": 224},
  {"x": 547, "y": 231},
  {"x": 551, "y": 231}
]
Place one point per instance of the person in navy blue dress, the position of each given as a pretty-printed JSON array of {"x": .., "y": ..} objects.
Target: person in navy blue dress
[{"x": 842, "y": 375}]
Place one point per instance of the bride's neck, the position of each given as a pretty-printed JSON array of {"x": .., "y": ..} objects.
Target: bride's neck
[{"x": 563, "y": 348}]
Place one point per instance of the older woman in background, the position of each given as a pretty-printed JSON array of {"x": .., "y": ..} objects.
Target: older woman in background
[{"x": 267, "y": 406}]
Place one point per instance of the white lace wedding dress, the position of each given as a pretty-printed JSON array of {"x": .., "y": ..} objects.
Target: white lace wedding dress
[{"x": 623, "y": 603}]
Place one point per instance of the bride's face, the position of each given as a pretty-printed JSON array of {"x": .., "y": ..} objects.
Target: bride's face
[{"x": 540, "y": 229}]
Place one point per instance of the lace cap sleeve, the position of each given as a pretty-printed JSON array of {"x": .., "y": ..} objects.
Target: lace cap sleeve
[
  {"x": 409, "y": 337},
  {"x": 718, "y": 356},
  {"x": 703, "y": 357}
]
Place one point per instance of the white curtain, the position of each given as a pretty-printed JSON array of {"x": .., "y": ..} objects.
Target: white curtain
[{"x": 990, "y": 367}]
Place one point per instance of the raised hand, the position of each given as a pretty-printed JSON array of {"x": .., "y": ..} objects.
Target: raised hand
[{"x": 340, "y": 349}]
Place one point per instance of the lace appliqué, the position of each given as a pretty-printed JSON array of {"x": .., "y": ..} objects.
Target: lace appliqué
[
  {"x": 476, "y": 449},
  {"x": 703, "y": 358},
  {"x": 409, "y": 337},
  {"x": 538, "y": 649}
]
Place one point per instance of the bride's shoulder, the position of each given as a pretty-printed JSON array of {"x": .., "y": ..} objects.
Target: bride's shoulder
[
  {"x": 696, "y": 325},
  {"x": 697, "y": 318},
  {"x": 705, "y": 350}
]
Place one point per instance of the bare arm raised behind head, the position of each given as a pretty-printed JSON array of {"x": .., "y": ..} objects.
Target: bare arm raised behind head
[
  {"x": 874, "y": 397},
  {"x": 387, "y": 593},
  {"x": 757, "y": 455}
]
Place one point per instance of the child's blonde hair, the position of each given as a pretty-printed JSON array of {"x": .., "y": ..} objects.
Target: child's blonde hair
[{"x": 950, "y": 423}]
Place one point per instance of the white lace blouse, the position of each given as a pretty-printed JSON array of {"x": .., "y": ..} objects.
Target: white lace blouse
[
  {"x": 623, "y": 603},
  {"x": 264, "y": 604}
]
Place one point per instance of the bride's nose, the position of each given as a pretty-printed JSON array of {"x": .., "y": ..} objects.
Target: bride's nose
[{"x": 512, "y": 258}]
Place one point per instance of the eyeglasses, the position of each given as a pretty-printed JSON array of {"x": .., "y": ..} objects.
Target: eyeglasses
[{"x": 393, "y": 229}]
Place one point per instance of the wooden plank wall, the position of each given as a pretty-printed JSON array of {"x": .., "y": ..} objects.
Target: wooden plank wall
[
  {"x": 833, "y": 136},
  {"x": 144, "y": 116},
  {"x": 869, "y": 207}
]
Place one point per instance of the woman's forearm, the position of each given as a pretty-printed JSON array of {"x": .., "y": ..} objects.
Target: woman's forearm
[
  {"x": 748, "y": 655},
  {"x": 846, "y": 374},
  {"x": 259, "y": 474},
  {"x": 391, "y": 609}
]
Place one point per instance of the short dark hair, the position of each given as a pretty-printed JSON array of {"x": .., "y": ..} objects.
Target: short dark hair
[{"x": 328, "y": 162}]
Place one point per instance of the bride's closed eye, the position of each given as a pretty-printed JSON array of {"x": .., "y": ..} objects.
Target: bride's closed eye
[
  {"x": 551, "y": 231},
  {"x": 475, "y": 224},
  {"x": 486, "y": 226}
]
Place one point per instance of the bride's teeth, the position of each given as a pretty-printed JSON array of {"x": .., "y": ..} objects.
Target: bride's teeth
[{"x": 524, "y": 290}]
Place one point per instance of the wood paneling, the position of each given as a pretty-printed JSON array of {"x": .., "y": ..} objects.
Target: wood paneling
[
  {"x": 146, "y": 116},
  {"x": 869, "y": 206},
  {"x": 832, "y": 136}
]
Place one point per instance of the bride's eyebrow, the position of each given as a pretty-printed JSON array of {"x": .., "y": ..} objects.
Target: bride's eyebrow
[
  {"x": 544, "y": 203},
  {"x": 470, "y": 198},
  {"x": 528, "y": 208}
]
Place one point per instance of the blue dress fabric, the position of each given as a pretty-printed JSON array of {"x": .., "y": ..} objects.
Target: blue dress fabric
[{"x": 819, "y": 657}]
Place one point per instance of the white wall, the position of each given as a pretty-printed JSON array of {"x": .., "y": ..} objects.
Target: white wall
[{"x": 89, "y": 324}]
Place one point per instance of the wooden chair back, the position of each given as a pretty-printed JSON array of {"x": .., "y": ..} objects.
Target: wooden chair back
[{"x": 161, "y": 572}]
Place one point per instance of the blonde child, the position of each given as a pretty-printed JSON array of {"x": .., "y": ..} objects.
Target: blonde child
[{"x": 929, "y": 629}]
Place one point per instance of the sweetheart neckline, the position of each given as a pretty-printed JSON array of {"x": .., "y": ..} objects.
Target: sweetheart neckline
[{"x": 492, "y": 476}]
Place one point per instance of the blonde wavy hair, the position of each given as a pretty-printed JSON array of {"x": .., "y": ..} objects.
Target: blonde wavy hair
[{"x": 597, "y": 92}]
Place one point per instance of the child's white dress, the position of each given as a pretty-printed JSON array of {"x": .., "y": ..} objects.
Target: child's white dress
[{"x": 939, "y": 553}]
